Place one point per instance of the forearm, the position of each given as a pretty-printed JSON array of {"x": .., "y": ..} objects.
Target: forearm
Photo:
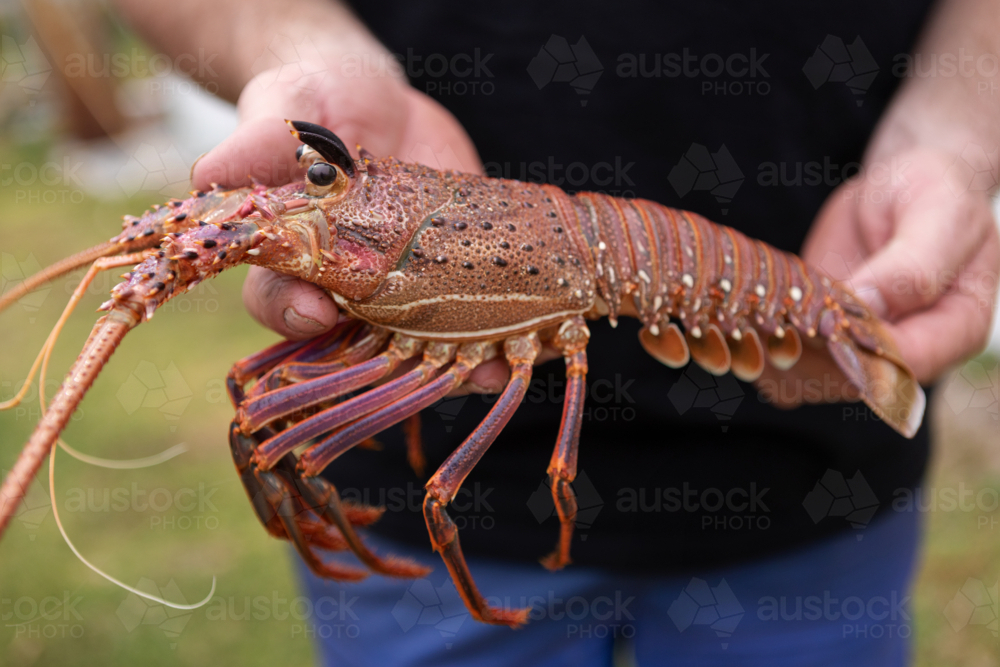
[
  {"x": 231, "y": 38},
  {"x": 951, "y": 99}
]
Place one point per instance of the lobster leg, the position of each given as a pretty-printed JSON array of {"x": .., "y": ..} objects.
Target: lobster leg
[
  {"x": 521, "y": 352},
  {"x": 266, "y": 366},
  {"x": 322, "y": 496},
  {"x": 277, "y": 510},
  {"x": 274, "y": 449},
  {"x": 414, "y": 446},
  {"x": 562, "y": 468},
  {"x": 261, "y": 410},
  {"x": 319, "y": 456}
]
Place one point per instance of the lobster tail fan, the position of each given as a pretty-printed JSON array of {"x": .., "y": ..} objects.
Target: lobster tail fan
[
  {"x": 324, "y": 142},
  {"x": 886, "y": 384}
]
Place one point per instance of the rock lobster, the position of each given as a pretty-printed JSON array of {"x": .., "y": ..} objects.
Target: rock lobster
[{"x": 446, "y": 270}]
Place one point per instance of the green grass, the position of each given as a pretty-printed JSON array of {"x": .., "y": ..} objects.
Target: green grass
[
  {"x": 200, "y": 335},
  {"x": 182, "y": 548}
]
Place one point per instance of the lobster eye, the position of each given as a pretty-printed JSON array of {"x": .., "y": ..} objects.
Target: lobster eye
[
  {"x": 299, "y": 151},
  {"x": 322, "y": 174}
]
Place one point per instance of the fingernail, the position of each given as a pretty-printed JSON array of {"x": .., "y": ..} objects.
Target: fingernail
[
  {"x": 195, "y": 164},
  {"x": 872, "y": 297},
  {"x": 300, "y": 324},
  {"x": 477, "y": 388}
]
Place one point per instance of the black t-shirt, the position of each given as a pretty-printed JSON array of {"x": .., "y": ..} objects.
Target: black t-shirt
[{"x": 749, "y": 113}]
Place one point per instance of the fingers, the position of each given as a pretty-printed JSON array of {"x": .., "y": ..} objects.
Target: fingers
[
  {"x": 492, "y": 376},
  {"x": 935, "y": 238},
  {"x": 261, "y": 148},
  {"x": 955, "y": 327},
  {"x": 291, "y": 307}
]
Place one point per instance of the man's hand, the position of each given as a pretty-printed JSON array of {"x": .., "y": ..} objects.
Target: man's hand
[
  {"x": 382, "y": 113},
  {"x": 920, "y": 246}
]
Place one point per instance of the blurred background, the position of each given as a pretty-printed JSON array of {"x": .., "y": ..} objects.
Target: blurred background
[{"x": 117, "y": 130}]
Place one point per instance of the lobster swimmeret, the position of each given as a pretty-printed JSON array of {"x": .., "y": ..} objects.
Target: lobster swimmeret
[{"x": 445, "y": 271}]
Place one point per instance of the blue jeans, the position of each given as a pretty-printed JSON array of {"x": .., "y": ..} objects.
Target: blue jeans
[{"x": 840, "y": 602}]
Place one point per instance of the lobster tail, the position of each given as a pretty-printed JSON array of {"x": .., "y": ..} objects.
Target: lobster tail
[{"x": 868, "y": 356}]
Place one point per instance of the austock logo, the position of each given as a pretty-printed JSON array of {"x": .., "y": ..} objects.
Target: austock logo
[
  {"x": 974, "y": 170},
  {"x": 558, "y": 62},
  {"x": 975, "y": 604},
  {"x": 288, "y": 61},
  {"x": 33, "y": 508},
  {"x": 49, "y": 617},
  {"x": 835, "y": 62},
  {"x": 714, "y": 606},
  {"x": 448, "y": 409},
  {"x": 697, "y": 388},
  {"x": 149, "y": 387},
  {"x": 152, "y": 171},
  {"x": 13, "y": 272},
  {"x": 438, "y": 607},
  {"x": 588, "y": 501},
  {"x": 135, "y": 610},
  {"x": 23, "y": 64},
  {"x": 975, "y": 387},
  {"x": 835, "y": 496},
  {"x": 699, "y": 170}
]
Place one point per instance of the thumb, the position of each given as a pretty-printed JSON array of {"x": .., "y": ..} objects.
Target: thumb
[
  {"x": 261, "y": 148},
  {"x": 919, "y": 262}
]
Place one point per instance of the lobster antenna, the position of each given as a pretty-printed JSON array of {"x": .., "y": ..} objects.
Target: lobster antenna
[
  {"x": 56, "y": 270},
  {"x": 120, "y": 584},
  {"x": 60, "y": 268},
  {"x": 125, "y": 464},
  {"x": 43, "y": 360}
]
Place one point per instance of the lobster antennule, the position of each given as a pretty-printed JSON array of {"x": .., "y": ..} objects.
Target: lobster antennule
[
  {"x": 184, "y": 261},
  {"x": 139, "y": 234},
  {"x": 60, "y": 268}
]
